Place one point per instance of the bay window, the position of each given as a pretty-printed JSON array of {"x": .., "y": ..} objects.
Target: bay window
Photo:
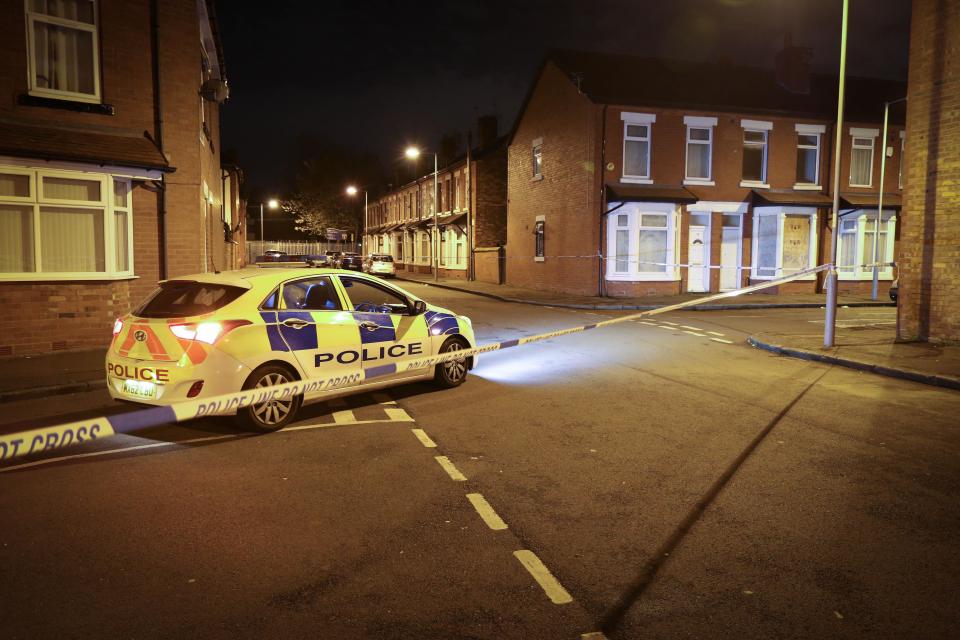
[
  {"x": 754, "y": 170},
  {"x": 636, "y": 146},
  {"x": 855, "y": 252},
  {"x": 64, "y": 225},
  {"x": 63, "y": 49},
  {"x": 784, "y": 241},
  {"x": 642, "y": 242},
  {"x": 699, "y": 169},
  {"x": 861, "y": 156}
]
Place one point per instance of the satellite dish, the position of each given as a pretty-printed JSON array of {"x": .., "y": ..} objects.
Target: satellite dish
[{"x": 215, "y": 90}]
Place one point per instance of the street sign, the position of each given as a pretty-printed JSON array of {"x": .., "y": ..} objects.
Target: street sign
[{"x": 334, "y": 234}]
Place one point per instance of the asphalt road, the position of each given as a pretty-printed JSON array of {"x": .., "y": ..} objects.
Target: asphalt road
[{"x": 667, "y": 479}]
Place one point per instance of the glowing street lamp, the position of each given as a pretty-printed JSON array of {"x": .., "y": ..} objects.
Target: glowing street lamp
[
  {"x": 351, "y": 191},
  {"x": 413, "y": 153}
]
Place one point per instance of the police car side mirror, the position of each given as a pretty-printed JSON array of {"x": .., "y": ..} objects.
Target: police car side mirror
[{"x": 419, "y": 307}]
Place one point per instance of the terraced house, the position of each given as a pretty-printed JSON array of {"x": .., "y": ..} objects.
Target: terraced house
[
  {"x": 110, "y": 172},
  {"x": 631, "y": 176},
  {"x": 470, "y": 207}
]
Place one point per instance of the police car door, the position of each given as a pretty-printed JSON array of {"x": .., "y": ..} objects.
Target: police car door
[
  {"x": 389, "y": 330},
  {"x": 316, "y": 328}
]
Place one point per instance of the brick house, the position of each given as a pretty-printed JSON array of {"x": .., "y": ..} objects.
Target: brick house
[
  {"x": 471, "y": 217},
  {"x": 929, "y": 306},
  {"x": 110, "y": 173},
  {"x": 631, "y": 176}
]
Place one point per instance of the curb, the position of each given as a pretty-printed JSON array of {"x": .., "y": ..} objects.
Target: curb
[
  {"x": 646, "y": 307},
  {"x": 903, "y": 374},
  {"x": 52, "y": 390}
]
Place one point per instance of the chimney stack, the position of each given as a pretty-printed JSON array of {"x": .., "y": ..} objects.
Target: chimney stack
[
  {"x": 792, "y": 66},
  {"x": 486, "y": 130}
]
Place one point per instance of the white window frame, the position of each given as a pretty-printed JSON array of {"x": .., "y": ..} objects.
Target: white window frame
[
  {"x": 810, "y": 130},
  {"x": 536, "y": 151},
  {"x": 781, "y": 214},
  {"x": 32, "y": 17},
  {"x": 642, "y": 119},
  {"x": 635, "y": 211},
  {"x": 699, "y": 122},
  {"x": 863, "y": 218},
  {"x": 764, "y": 127},
  {"x": 106, "y": 204},
  {"x": 536, "y": 221},
  {"x": 871, "y": 134}
]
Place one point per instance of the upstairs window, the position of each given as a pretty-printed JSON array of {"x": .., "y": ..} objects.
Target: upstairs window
[
  {"x": 861, "y": 157},
  {"x": 538, "y": 159},
  {"x": 636, "y": 146},
  {"x": 808, "y": 154},
  {"x": 755, "y": 152},
  {"x": 699, "y": 149},
  {"x": 63, "y": 49}
]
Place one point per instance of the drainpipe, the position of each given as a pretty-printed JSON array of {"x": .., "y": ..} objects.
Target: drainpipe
[
  {"x": 601, "y": 288},
  {"x": 158, "y": 135}
]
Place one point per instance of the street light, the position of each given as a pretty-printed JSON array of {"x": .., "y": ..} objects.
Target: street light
[
  {"x": 352, "y": 191},
  {"x": 413, "y": 153},
  {"x": 272, "y": 203},
  {"x": 830, "y": 321},
  {"x": 874, "y": 290}
]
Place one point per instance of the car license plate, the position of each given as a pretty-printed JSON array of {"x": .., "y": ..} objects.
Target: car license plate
[{"x": 140, "y": 388}]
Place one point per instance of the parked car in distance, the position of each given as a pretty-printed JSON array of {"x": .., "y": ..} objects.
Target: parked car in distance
[
  {"x": 380, "y": 264},
  {"x": 351, "y": 261},
  {"x": 273, "y": 255},
  {"x": 333, "y": 259}
]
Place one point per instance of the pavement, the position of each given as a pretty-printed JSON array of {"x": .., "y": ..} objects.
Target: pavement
[{"x": 872, "y": 349}]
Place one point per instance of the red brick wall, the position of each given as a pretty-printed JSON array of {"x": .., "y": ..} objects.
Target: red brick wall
[
  {"x": 47, "y": 316},
  {"x": 487, "y": 266},
  {"x": 930, "y": 238},
  {"x": 568, "y": 194}
]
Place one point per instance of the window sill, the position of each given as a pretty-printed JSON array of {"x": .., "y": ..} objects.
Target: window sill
[
  {"x": 537, "y": 178},
  {"x": 539, "y": 259},
  {"x": 860, "y": 186},
  {"x": 66, "y": 103},
  {"x": 699, "y": 183},
  {"x": 642, "y": 277},
  {"x": 60, "y": 277},
  {"x": 632, "y": 180},
  {"x": 753, "y": 184},
  {"x": 807, "y": 187}
]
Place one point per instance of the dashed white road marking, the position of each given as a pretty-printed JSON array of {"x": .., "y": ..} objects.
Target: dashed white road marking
[
  {"x": 722, "y": 340},
  {"x": 397, "y": 415},
  {"x": 451, "y": 470},
  {"x": 383, "y": 398},
  {"x": 423, "y": 438},
  {"x": 660, "y": 326},
  {"x": 672, "y": 324},
  {"x": 486, "y": 512},
  {"x": 696, "y": 333},
  {"x": 683, "y": 326},
  {"x": 652, "y": 324},
  {"x": 714, "y": 333},
  {"x": 344, "y": 417},
  {"x": 550, "y": 585},
  {"x": 593, "y": 635}
]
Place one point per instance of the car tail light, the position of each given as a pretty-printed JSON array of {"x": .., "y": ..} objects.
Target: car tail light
[
  {"x": 208, "y": 332},
  {"x": 117, "y": 327}
]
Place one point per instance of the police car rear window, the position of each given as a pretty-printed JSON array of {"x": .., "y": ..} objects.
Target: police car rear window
[{"x": 179, "y": 299}]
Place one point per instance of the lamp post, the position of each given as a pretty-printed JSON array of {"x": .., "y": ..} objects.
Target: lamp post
[
  {"x": 830, "y": 322},
  {"x": 352, "y": 191},
  {"x": 413, "y": 153},
  {"x": 874, "y": 291},
  {"x": 271, "y": 204}
]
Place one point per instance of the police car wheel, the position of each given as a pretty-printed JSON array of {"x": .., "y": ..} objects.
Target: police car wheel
[
  {"x": 453, "y": 373},
  {"x": 275, "y": 414}
]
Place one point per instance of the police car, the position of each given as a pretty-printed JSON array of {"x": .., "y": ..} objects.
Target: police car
[{"x": 211, "y": 334}]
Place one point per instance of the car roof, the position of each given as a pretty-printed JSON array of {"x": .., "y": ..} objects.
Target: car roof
[{"x": 246, "y": 278}]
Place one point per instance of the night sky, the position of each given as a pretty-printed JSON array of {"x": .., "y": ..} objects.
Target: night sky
[{"x": 376, "y": 76}]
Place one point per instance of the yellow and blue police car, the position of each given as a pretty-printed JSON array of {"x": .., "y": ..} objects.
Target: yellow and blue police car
[{"x": 216, "y": 333}]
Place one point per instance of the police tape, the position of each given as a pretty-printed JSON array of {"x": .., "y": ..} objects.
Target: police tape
[{"x": 24, "y": 443}]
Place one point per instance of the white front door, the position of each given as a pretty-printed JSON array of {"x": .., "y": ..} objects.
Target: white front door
[
  {"x": 697, "y": 279},
  {"x": 730, "y": 259}
]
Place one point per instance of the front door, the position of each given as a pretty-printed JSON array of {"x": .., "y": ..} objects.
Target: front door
[
  {"x": 730, "y": 259},
  {"x": 697, "y": 278}
]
